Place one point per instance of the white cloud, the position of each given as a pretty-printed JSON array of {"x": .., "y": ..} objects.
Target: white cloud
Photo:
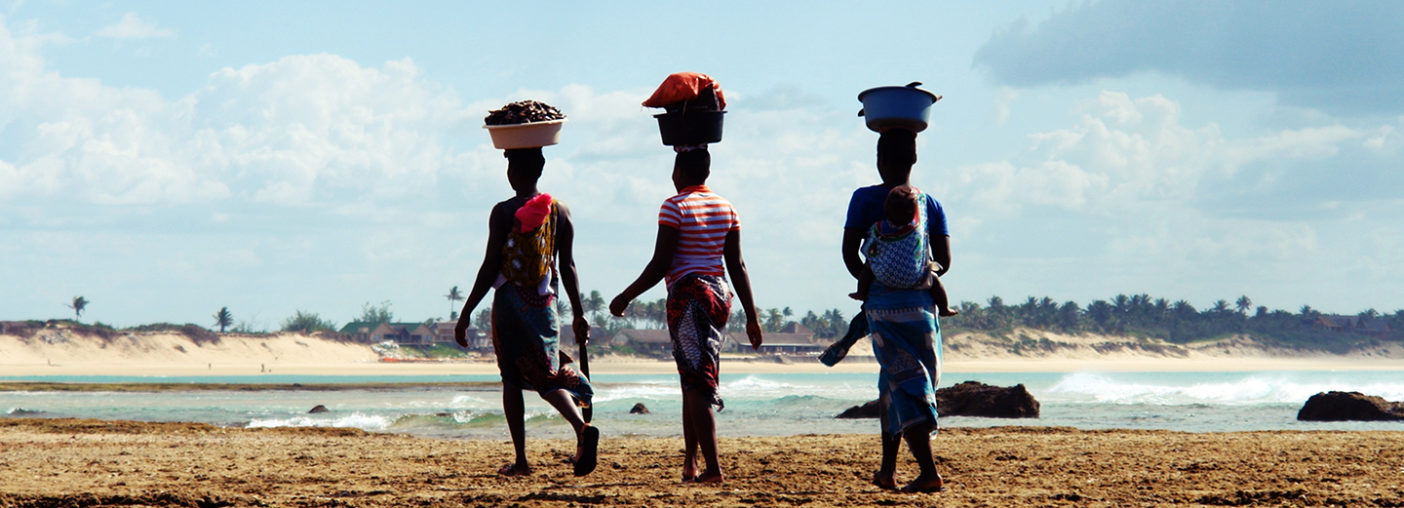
[
  {"x": 1124, "y": 151},
  {"x": 1342, "y": 60},
  {"x": 132, "y": 26},
  {"x": 1003, "y": 101}
]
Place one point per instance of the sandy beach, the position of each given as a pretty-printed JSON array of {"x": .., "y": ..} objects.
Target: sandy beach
[
  {"x": 90, "y": 463},
  {"x": 168, "y": 354}
]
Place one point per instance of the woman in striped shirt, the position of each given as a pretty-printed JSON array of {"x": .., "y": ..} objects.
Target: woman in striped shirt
[{"x": 699, "y": 241}]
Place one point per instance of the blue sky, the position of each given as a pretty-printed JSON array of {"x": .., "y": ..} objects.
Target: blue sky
[{"x": 164, "y": 160}]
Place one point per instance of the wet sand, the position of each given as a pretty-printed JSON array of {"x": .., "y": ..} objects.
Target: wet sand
[{"x": 90, "y": 463}]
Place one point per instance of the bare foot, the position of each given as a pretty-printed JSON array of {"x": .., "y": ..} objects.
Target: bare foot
[
  {"x": 710, "y": 477},
  {"x": 515, "y": 469},
  {"x": 589, "y": 449},
  {"x": 884, "y": 481},
  {"x": 689, "y": 472},
  {"x": 948, "y": 312},
  {"x": 924, "y": 483}
]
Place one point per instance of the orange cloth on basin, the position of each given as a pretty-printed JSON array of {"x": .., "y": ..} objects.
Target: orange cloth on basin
[{"x": 683, "y": 86}]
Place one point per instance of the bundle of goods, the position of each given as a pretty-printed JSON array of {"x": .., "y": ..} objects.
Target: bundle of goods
[
  {"x": 897, "y": 107},
  {"x": 694, "y": 106},
  {"x": 524, "y": 124}
]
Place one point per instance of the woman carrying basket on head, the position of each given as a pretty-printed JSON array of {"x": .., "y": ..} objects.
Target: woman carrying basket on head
[
  {"x": 699, "y": 241},
  {"x": 529, "y": 252}
]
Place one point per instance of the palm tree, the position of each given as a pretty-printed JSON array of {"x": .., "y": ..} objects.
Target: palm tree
[
  {"x": 485, "y": 319},
  {"x": 1121, "y": 304},
  {"x": 774, "y": 320},
  {"x": 453, "y": 297},
  {"x": 79, "y": 303},
  {"x": 594, "y": 303},
  {"x": 1243, "y": 304},
  {"x": 224, "y": 318}
]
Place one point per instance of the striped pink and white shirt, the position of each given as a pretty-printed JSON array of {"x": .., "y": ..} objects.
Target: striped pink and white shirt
[{"x": 702, "y": 219}]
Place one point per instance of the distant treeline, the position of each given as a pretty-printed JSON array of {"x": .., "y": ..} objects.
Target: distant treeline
[
  {"x": 1126, "y": 315},
  {"x": 1179, "y": 322},
  {"x": 1134, "y": 315}
]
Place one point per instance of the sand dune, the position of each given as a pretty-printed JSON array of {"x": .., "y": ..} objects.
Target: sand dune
[{"x": 67, "y": 351}]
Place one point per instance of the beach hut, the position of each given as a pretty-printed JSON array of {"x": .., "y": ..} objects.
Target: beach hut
[
  {"x": 792, "y": 339},
  {"x": 648, "y": 342},
  {"x": 405, "y": 334}
]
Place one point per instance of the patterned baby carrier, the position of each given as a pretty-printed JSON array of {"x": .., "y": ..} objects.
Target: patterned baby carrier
[
  {"x": 529, "y": 252},
  {"x": 901, "y": 259}
]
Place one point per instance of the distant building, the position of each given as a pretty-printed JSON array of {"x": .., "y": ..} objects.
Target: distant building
[
  {"x": 1375, "y": 326},
  {"x": 359, "y": 331},
  {"x": 793, "y": 338},
  {"x": 442, "y": 333},
  {"x": 650, "y": 342},
  {"x": 797, "y": 329},
  {"x": 567, "y": 334}
]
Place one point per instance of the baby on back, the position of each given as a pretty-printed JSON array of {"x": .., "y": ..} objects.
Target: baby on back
[{"x": 898, "y": 251}]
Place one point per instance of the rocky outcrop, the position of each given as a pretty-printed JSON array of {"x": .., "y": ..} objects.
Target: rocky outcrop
[
  {"x": 1349, "y": 406},
  {"x": 978, "y": 399},
  {"x": 639, "y": 409},
  {"x": 867, "y": 410},
  {"x": 319, "y": 409},
  {"x": 969, "y": 399}
]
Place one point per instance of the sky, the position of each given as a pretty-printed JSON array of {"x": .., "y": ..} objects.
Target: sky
[{"x": 166, "y": 159}]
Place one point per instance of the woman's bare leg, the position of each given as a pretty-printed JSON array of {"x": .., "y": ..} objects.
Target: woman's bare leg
[
  {"x": 689, "y": 469},
  {"x": 514, "y": 409},
  {"x": 919, "y": 442},
  {"x": 886, "y": 475},
  {"x": 704, "y": 428},
  {"x": 565, "y": 405}
]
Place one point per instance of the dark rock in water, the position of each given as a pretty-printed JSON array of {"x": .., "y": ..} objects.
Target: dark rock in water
[
  {"x": 978, "y": 399},
  {"x": 639, "y": 409},
  {"x": 319, "y": 409},
  {"x": 867, "y": 410},
  {"x": 1349, "y": 406},
  {"x": 969, "y": 399}
]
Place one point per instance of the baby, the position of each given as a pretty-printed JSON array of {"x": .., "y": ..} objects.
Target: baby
[{"x": 899, "y": 252}]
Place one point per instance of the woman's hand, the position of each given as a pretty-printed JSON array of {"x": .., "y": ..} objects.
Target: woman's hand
[
  {"x": 618, "y": 305},
  {"x": 753, "y": 331},
  {"x": 582, "y": 330},
  {"x": 460, "y": 333}
]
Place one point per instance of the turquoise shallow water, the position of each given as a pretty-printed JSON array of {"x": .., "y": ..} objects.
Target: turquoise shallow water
[{"x": 756, "y": 404}]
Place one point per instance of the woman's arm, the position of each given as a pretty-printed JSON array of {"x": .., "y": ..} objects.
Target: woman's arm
[
  {"x": 565, "y": 252},
  {"x": 664, "y": 248},
  {"x": 941, "y": 253},
  {"x": 499, "y": 225},
  {"x": 852, "y": 243},
  {"x": 741, "y": 280}
]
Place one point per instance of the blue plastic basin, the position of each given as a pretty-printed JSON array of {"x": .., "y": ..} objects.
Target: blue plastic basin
[{"x": 905, "y": 107}]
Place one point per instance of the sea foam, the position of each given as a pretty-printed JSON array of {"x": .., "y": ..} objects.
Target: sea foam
[{"x": 1214, "y": 389}]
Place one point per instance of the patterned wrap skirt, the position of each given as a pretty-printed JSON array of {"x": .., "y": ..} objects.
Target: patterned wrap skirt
[
  {"x": 698, "y": 307},
  {"x": 907, "y": 343},
  {"x": 526, "y": 338}
]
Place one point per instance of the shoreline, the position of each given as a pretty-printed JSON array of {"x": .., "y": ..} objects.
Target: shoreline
[
  {"x": 83, "y": 462},
  {"x": 612, "y": 366}
]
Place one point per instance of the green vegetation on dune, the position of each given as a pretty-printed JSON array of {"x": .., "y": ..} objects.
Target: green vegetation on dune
[
  {"x": 1139, "y": 317},
  {"x": 1180, "y": 323}
]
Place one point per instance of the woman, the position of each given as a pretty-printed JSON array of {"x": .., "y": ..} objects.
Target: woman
[
  {"x": 528, "y": 250},
  {"x": 697, "y": 231},
  {"x": 906, "y": 334}
]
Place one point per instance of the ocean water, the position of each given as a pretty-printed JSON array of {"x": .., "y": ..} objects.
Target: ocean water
[{"x": 756, "y": 404}]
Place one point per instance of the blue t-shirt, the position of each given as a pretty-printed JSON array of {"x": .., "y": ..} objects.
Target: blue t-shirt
[{"x": 865, "y": 209}]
